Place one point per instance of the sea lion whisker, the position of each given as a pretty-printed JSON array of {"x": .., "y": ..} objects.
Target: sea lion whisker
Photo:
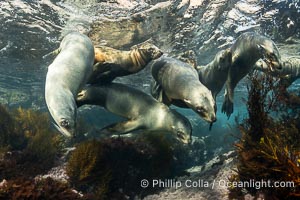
[{"x": 210, "y": 126}]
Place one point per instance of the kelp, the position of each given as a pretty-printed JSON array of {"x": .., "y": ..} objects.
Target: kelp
[
  {"x": 30, "y": 189},
  {"x": 269, "y": 145},
  {"x": 29, "y": 144},
  {"x": 112, "y": 165},
  {"x": 8, "y": 134}
]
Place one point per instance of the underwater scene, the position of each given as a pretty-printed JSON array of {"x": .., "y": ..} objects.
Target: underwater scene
[{"x": 149, "y": 99}]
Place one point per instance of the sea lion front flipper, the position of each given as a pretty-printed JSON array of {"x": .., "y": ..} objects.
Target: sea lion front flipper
[
  {"x": 121, "y": 127},
  {"x": 156, "y": 90},
  {"x": 227, "y": 106},
  {"x": 158, "y": 93},
  {"x": 104, "y": 72}
]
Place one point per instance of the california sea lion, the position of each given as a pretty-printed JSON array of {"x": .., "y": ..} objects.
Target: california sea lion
[
  {"x": 289, "y": 73},
  {"x": 290, "y": 69},
  {"x": 111, "y": 63},
  {"x": 178, "y": 83},
  {"x": 246, "y": 51},
  {"x": 214, "y": 74},
  {"x": 141, "y": 110},
  {"x": 66, "y": 75}
]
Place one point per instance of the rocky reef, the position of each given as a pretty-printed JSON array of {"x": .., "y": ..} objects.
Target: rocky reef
[{"x": 29, "y": 147}]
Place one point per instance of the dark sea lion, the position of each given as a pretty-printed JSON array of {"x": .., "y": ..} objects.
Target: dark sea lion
[
  {"x": 178, "y": 83},
  {"x": 214, "y": 74},
  {"x": 246, "y": 51},
  {"x": 111, "y": 63},
  {"x": 66, "y": 75},
  {"x": 141, "y": 110}
]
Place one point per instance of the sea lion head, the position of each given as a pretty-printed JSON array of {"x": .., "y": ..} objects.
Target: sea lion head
[
  {"x": 182, "y": 128},
  {"x": 223, "y": 60},
  {"x": 271, "y": 55},
  {"x": 90, "y": 95},
  {"x": 203, "y": 103},
  {"x": 147, "y": 50},
  {"x": 64, "y": 114},
  {"x": 189, "y": 57},
  {"x": 261, "y": 65}
]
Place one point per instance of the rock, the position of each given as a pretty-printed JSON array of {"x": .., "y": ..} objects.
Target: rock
[
  {"x": 208, "y": 183},
  {"x": 57, "y": 173}
]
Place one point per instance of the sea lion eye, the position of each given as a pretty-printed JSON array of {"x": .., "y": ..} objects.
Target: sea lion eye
[
  {"x": 200, "y": 109},
  {"x": 180, "y": 135},
  {"x": 65, "y": 123}
]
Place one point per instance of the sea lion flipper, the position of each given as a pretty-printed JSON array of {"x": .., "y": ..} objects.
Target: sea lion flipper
[
  {"x": 158, "y": 93},
  {"x": 156, "y": 90},
  {"x": 103, "y": 72},
  {"x": 121, "y": 127},
  {"x": 80, "y": 98},
  {"x": 227, "y": 106}
]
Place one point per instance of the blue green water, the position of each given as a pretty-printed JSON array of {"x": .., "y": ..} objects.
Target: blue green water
[{"x": 31, "y": 29}]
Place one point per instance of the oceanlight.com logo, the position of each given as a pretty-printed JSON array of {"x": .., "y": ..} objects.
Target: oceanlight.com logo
[
  {"x": 200, "y": 183},
  {"x": 256, "y": 184}
]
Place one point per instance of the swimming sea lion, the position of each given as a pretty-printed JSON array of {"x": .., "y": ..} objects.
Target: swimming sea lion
[
  {"x": 178, "y": 83},
  {"x": 111, "y": 63},
  {"x": 141, "y": 110},
  {"x": 288, "y": 74},
  {"x": 66, "y": 75},
  {"x": 246, "y": 51},
  {"x": 214, "y": 74}
]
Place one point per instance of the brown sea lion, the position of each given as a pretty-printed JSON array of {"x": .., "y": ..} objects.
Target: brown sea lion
[
  {"x": 66, "y": 75},
  {"x": 141, "y": 110},
  {"x": 111, "y": 63},
  {"x": 246, "y": 51},
  {"x": 178, "y": 83}
]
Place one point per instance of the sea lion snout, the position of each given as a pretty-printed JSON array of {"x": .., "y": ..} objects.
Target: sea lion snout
[
  {"x": 271, "y": 55},
  {"x": 276, "y": 65},
  {"x": 181, "y": 127},
  {"x": 207, "y": 115},
  {"x": 273, "y": 63},
  {"x": 213, "y": 119}
]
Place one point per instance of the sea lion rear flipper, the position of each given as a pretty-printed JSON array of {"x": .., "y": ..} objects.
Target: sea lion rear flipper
[{"x": 121, "y": 127}]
